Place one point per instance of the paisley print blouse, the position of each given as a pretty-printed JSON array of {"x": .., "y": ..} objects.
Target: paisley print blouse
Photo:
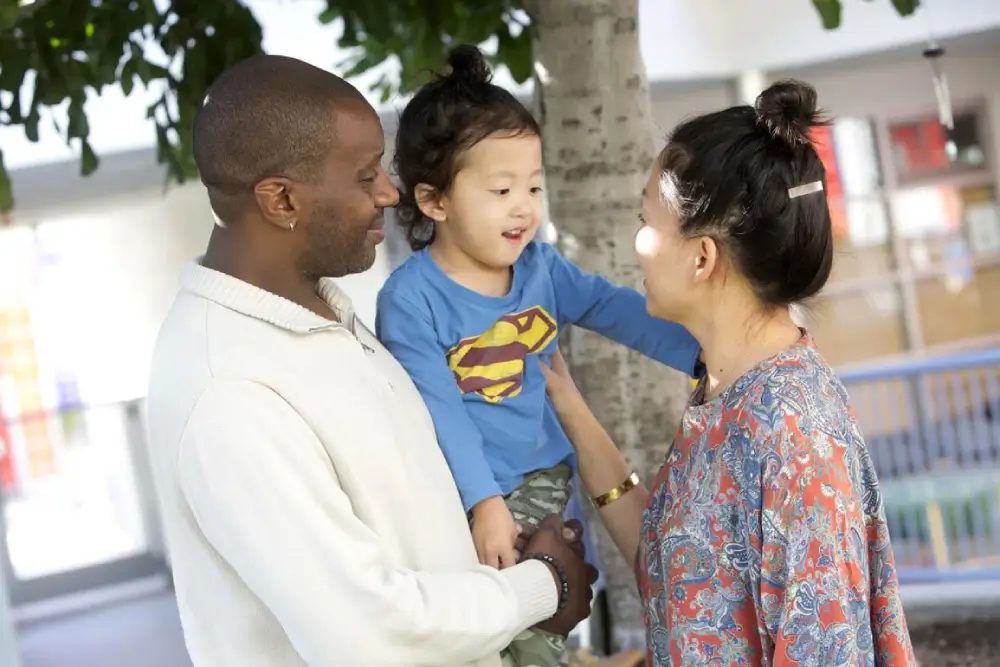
[{"x": 764, "y": 537}]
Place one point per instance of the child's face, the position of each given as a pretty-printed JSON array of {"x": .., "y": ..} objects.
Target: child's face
[{"x": 494, "y": 206}]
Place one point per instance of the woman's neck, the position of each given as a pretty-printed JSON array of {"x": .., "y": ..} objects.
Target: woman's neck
[{"x": 735, "y": 339}]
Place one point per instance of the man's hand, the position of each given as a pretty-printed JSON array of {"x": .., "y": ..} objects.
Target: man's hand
[
  {"x": 572, "y": 532},
  {"x": 494, "y": 532},
  {"x": 549, "y": 539}
]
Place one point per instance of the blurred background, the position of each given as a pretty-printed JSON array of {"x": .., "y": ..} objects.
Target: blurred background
[{"x": 911, "y": 317}]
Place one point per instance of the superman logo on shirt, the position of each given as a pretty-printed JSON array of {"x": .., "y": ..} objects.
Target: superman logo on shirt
[{"x": 492, "y": 363}]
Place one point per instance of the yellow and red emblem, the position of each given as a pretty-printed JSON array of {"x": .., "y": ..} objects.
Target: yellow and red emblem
[{"x": 492, "y": 363}]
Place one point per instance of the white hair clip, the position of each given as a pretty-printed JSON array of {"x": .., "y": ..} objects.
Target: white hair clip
[{"x": 807, "y": 189}]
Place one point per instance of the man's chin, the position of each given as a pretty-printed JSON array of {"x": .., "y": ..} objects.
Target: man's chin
[
  {"x": 366, "y": 259},
  {"x": 361, "y": 265}
]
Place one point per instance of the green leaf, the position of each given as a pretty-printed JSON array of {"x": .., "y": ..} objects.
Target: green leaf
[
  {"x": 127, "y": 76},
  {"x": 906, "y": 7},
  {"x": 516, "y": 54},
  {"x": 73, "y": 46},
  {"x": 829, "y": 13},
  {"x": 88, "y": 159},
  {"x": 8, "y": 16},
  {"x": 31, "y": 125},
  {"x": 79, "y": 127},
  {"x": 6, "y": 189}
]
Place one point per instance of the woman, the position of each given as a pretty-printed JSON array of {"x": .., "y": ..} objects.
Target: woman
[{"x": 764, "y": 539}]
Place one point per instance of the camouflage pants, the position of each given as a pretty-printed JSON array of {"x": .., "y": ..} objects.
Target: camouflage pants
[{"x": 543, "y": 493}]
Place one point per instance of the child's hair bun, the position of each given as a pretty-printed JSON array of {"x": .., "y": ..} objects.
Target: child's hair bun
[{"x": 468, "y": 65}]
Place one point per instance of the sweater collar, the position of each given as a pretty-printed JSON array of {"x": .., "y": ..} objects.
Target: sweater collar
[{"x": 246, "y": 299}]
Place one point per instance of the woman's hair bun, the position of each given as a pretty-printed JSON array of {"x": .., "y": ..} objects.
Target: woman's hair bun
[
  {"x": 788, "y": 111},
  {"x": 468, "y": 65}
]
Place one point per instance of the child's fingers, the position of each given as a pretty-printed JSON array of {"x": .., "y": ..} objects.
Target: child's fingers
[
  {"x": 508, "y": 557},
  {"x": 490, "y": 559}
]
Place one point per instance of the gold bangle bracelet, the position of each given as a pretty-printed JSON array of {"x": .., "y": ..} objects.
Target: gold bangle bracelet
[{"x": 614, "y": 494}]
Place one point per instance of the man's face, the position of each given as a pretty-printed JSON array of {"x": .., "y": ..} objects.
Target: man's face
[{"x": 343, "y": 216}]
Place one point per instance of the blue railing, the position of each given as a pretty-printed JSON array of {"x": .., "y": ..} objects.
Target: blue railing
[{"x": 933, "y": 429}]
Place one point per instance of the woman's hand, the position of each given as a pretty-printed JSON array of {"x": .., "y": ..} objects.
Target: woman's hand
[
  {"x": 602, "y": 466},
  {"x": 565, "y": 396}
]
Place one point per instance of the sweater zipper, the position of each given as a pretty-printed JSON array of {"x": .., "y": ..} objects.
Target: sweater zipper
[
  {"x": 368, "y": 350},
  {"x": 352, "y": 329},
  {"x": 354, "y": 323}
]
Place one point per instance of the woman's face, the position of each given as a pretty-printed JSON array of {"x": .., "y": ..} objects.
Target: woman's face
[{"x": 676, "y": 269}]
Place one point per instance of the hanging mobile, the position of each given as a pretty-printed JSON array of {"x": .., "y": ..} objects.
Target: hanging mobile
[{"x": 934, "y": 52}]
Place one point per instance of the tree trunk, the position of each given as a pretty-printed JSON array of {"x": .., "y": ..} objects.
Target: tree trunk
[{"x": 599, "y": 144}]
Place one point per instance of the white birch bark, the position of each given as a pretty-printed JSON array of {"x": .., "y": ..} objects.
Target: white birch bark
[{"x": 599, "y": 143}]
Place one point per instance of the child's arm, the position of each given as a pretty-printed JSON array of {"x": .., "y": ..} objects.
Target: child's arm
[
  {"x": 407, "y": 332},
  {"x": 619, "y": 313}
]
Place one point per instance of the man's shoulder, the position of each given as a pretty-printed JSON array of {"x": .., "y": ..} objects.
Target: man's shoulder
[
  {"x": 180, "y": 368},
  {"x": 182, "y": 338},
  {"x": 201, "y": 343}
]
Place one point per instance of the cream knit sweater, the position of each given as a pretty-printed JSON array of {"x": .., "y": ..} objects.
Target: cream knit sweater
[{"x": 310, "y": 514}]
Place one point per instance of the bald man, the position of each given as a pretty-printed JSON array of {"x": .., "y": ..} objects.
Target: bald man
[{"x": 311, "y": 516}]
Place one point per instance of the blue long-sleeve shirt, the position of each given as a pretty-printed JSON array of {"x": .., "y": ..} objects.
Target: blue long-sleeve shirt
[{"x": 476, "y": 359}]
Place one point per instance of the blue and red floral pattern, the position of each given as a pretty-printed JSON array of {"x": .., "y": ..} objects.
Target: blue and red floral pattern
[{"x": 764, "y": 537}]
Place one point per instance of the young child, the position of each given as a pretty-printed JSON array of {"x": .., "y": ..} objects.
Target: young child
[{"x": 479, "y": 306}]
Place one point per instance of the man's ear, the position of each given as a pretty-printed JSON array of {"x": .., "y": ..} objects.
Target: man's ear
[
  {"x": 278, "y": 202},
  {"x": 429, "y": 202}
]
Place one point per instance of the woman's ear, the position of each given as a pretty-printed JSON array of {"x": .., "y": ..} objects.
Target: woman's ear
[
  {"x": 706, "y": 259},
  {"x": 429, "y": 202}
]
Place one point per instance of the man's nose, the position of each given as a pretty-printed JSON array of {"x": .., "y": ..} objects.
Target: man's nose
[{"x": 387, "y": 195}]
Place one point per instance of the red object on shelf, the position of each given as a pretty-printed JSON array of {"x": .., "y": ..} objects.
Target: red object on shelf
[
  {"x": 822, "y": 140},
  {"x": 8, "y": 478},
  {"x": 921, "y": 147}
]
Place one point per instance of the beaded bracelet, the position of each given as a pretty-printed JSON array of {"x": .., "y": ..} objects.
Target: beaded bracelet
[{"x": 563, "y": 581}]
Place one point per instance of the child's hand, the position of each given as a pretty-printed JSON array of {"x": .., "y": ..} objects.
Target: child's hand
[{"x": 494, "y": 532}]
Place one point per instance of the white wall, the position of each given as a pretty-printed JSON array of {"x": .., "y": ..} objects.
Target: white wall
[
  {"x": 670, "y": 108},
  {"x": 691, "y": 39},
  {"x": 111, "y": 277}
]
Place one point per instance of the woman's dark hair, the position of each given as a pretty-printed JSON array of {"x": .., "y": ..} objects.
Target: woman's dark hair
[
  {"x": 728, "y": 174},
  {"x": 447, "y": 117}
]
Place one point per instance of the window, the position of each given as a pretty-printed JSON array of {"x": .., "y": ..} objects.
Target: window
[
  {"x": 854, "y": 192},
  {"x": 959, "y": 305},
  {"x": 925, "y": 149},
  {"x": 917, "y": 238},
  {"x": 859, "y": 325}
]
